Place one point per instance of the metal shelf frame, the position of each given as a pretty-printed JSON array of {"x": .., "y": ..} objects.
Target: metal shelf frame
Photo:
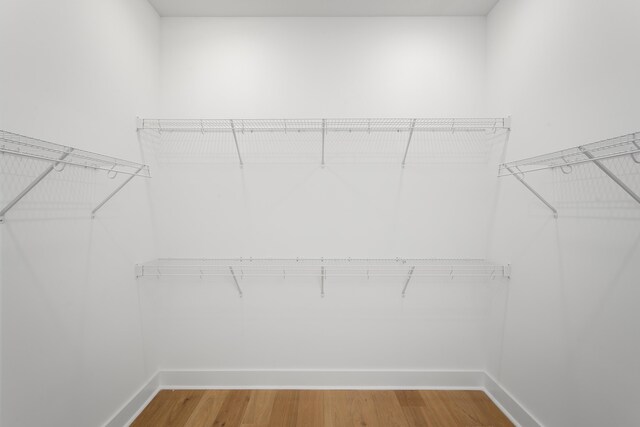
[
  {"x": 323, "y": 268},
  {"x": 61, "y": 156},
  {"x": 323, "y": 127},
  {"x": 595, "y": 153}
]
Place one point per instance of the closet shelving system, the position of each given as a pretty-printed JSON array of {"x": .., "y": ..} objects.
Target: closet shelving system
[
  {"x": 400, "y": 133},
  {"x": 59, "y": 157},
  {"x": 322, "y": 268},
  {"x": 595, "y": 153}
]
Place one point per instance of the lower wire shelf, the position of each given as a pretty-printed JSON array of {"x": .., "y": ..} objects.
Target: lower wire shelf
[{"x": 238, "y": 268}]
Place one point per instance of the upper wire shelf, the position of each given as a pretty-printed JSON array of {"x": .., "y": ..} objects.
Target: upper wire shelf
[
  {"x": 324, "y": 125},
  {"x": 62, "y": 155},
  {"x": 595, "y": 153},
  {"x": 239, "y": 268},
  {"x": 59, "y": 157},
  {"x": 565, "y": 159},
  {"x": 326, "y": 140}
]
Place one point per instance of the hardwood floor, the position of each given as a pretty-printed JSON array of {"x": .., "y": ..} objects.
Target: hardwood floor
[{"x": 321, "y": 408}]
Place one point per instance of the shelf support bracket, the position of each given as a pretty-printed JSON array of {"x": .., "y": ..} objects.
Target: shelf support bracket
[
  {"x": 29, "y": 187},
  {"x": 406, "y": 150},
  {"x": 114, "y": 192},
  {"x": 235, "y": 280},
  {"x": 235, "y": 139},
  {"x": 404, "y": 290},
  {"x": 324, "y": 132},
  {"x": 610, "y": 174},
  {"x": 535, "y": 193},
  {"x": 322, "y": 277}
]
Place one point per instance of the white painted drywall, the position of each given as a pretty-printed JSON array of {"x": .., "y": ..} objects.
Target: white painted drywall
[
  {"x": 75, "y": 72},
  {"x": 319, "y": 67},
  {"x": 288, "y": 68},
  {"x": 568, "y": 73}
]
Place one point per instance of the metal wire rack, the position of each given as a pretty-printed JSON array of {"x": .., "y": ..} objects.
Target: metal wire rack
[
  {"x": 326, "y": 125},
  {"x": 565, "y": 160},
  {"x": 326, "y": 139},
  {"x": 239, "y": 268},
  {"x": 59, "y": 157}
]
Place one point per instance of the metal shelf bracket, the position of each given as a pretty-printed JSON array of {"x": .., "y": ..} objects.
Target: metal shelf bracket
[
  {"x": 406, "y": 150},
  {"x": 610, "y": 174},
  {"x": 61, "y": 156},
  {"x": 235, "y": 139},
  {"x": 114, "y": 192},
  {"x": 596, "y": 152},
  {"x": 535, "y": 193},
  {"x": 404, "y": 290},
  {"x": 235, "y": 280},
  {"x": 33, "y": 183},
  {"x": 324, "y": 133}
]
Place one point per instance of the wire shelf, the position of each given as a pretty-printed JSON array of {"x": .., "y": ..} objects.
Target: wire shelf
[
  {"x": 322, "y": 268},
  {"x": 59, "y": 157},
  {"x": 324, "y": 140},
  {"x": 62, "y": 155},
  {"x": 313, "y": 267},
  {"x": 324, "y": 125},
  {"x": 565, "y": 159},
  {"x": 596, "y": 153}
]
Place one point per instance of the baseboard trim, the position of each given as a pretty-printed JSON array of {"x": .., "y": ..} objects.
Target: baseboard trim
[
  {"x": 130, "y": 410},
  {"x": 508, "y": 404},
  {"x": 324, "y": 379},
  {"x": 321, "y": 379}
]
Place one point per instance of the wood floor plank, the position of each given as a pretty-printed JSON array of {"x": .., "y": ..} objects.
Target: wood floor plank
[
  {"x": 205, "y": 413},
  {"x": 321, "y": 408},
  {"x": 409, "y": 398},
  {"x": 492, "y": 413},
  {"x": 285, "y": 409},
  {"x": 258, "y": 412},
  {"x": 170, "y": 408},
  {"x": 412, "y": 406},
  {"x": 233, "y": 408},
  {"x": 388, "y": 409},
  {"x": 362, "y": 409},
  {"x": 310, "y": 408},
  {"x": 437, "y": 412},
  {"x": 415, "y": 416},
  {"x": 336, "y": 408},
  {"x": 470, "y": 408}
]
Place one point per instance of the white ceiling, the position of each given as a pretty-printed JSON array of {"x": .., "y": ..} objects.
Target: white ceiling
[{"x": 323, "y": 7}]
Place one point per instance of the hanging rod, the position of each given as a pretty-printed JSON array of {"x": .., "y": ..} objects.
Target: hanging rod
[
  {"x": 240, "y": 126},
  {"x": 61, "y": 156},
  {"x": 596, "y": 152},
  {"x": 322, "y": 268}
]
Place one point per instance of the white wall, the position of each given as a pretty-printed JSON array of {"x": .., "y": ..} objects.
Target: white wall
[
  {"x": 287, "y": 68},
  {"x": 75, "y": 72},
  {"x": 565, "y": 71},
  {"x": 318, "y": 67}
]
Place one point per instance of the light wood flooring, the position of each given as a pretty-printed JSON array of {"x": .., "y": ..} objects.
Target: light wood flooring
[{"x": 321, "y": 408}]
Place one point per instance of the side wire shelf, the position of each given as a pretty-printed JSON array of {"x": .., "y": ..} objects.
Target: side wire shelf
[
  {"x": 59, "y": 157},
  {"x": 243, "y": 131},
  {"x": 322, "y": 268},
  {"x": 565, "y": 160}
]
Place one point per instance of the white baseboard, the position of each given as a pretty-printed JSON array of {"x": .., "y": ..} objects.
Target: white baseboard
[
  {"x": 136, "y": 404},
  {"x": 321, "y": 379},
  {"x": 508, "y": 404}
]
